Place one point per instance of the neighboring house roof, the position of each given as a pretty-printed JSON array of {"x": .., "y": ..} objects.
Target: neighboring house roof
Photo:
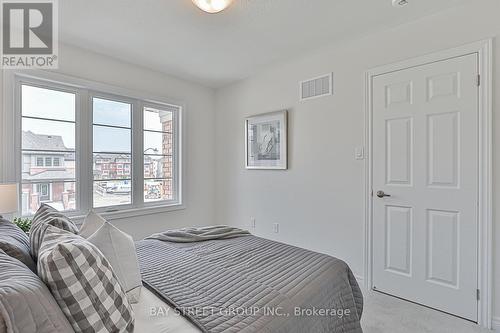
[
  {"x": 59, "y": 175},
  {"x": 33, "y": 141},
  {"x": 46, "y": 153}
]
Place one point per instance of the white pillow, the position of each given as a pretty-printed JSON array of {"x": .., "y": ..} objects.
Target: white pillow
[
  {"x": 91, "y": 224},
  {"x": 119, "y": 248}
]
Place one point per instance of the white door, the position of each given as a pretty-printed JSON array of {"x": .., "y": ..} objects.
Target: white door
[{"x": 425, "y": 156}]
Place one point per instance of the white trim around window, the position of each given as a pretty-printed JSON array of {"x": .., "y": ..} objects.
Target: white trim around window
[{"x": 11, "y": 169}]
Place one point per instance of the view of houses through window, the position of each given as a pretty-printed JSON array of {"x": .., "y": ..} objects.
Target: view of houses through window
[
  {"x": 48, "y": 149},
  {"x": 158, "y": 153},
  {"x": 49, "y": 166},
  {"x": 112, "y": 152}
]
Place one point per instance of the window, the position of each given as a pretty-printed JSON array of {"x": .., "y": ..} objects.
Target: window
[
  {"x": 84, "y": 149},
  {"x": 47, "y": 128},
  {"x": 158, "y": 152},
  {"x": 112, "y": 133},
  {"x": 43, "y": 161}
]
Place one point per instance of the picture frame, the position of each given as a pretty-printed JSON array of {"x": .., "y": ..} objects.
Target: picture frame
[{"x": 266, "y": 141}]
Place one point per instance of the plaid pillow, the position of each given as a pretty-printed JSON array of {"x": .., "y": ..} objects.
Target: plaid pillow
[
  {"x": 47, "y": 215},
  {"x": 83, "y": 283}
]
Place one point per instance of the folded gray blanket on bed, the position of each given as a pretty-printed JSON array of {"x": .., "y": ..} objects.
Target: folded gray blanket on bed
[
  {"x": 188, "y": 235},
  {"x": 251, "y": 284}
]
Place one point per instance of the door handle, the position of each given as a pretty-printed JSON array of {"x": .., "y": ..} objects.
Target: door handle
[{"x": 382, "y": 194}]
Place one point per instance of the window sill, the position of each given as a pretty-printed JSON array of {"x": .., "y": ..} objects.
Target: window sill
[{"x": 133, "y": 212}]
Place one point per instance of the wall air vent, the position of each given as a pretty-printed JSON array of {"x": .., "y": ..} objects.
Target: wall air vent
[{"x": 316, "y": 87}]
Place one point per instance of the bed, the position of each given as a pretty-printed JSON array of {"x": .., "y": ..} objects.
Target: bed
[{"x": 244, "y": 284}]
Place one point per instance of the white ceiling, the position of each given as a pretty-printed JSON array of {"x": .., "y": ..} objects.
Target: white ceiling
[{"x": 174, "y": 37}]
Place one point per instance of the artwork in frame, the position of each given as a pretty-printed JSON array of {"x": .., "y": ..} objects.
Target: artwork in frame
[{"x": 266, "y": 141}]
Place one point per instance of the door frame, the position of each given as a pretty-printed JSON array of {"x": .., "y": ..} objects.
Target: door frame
[{"x": 484, "y": 51}]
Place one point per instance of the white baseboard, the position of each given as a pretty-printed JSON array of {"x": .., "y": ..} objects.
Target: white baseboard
[{"x": 495, "y": 324}]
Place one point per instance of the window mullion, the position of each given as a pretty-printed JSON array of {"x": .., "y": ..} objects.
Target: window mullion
[
  {"x": 137, "y": 154},
  {"x": 178, "y": 157},
  {"x": 84, "y": 142}
]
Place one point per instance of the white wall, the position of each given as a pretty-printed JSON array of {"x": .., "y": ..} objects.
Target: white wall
[
  {"x": 319, "y": 200},
  {"x": 199, "y": 118}
]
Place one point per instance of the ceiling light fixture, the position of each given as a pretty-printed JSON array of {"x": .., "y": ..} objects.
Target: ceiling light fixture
[
  {"x": 399, "y": 3},
  {"x": 212, "y": 6}
]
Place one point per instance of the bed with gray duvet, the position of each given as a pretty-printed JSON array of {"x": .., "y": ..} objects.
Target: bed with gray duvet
[{"x": 224, "y": 279}]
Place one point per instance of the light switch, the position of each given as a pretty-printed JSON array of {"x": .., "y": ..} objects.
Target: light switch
[{"x": 359, "y": 153}]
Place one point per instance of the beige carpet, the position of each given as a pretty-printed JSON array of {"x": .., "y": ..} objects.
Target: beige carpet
[{"x": 386, "y": 314}]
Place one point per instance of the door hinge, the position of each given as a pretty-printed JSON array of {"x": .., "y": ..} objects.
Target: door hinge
[
  {"x": 478, "y": 294},
  {"x": 479, "y": 80}
]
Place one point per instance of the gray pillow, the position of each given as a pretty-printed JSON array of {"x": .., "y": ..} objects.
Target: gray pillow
[
  {"x": 15, "y": 243},
  {"x": 46, "y": 215},
  {"x": 26, "y": 305}
]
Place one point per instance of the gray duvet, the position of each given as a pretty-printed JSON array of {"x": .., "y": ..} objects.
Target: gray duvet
[{"x": 251, "y": 284}]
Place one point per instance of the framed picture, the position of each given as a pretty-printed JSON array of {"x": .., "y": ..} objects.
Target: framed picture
[{"x": 266, "y": 141}]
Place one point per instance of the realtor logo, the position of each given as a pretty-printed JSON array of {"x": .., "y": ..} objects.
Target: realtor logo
[{"x": 29, "y": 34}]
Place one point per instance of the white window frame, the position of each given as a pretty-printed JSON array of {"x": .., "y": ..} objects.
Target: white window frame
[
  {"x": 176, "y": 151},
  {"x": 18, "y": 81},
  {"x": 134, "y": 203},
  {"x": 85, "y": 90}
]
